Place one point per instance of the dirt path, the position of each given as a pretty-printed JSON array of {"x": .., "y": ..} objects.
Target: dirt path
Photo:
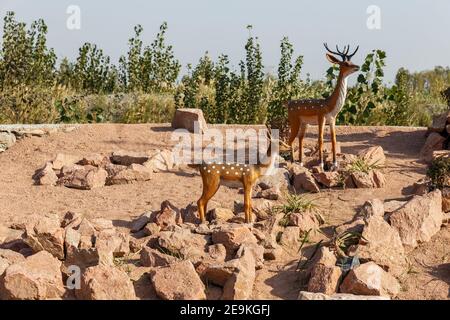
[{"x": 429, "y": 276}]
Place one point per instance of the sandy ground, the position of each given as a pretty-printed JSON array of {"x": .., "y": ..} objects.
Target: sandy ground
[{"x": 427, "y": 278}]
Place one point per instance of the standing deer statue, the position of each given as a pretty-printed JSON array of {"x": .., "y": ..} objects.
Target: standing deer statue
[
  {"x": 302, "y": 113},
  {"x": 213, "y": 172}
]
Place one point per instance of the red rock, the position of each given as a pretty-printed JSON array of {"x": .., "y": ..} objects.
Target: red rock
[
  {"x": 232, "y": 236},
  {"x": 381, "y": 244},
  {"x": 324, "y": 279},
  {"x": 221, "y": 214},
  {"x": 61, "y": 160},
  {"x": 183, "y": 243},
  {"x": 370, "y": 279},
  {"x": 374, "y": 207},
  {"x": 46, "y": 176},
  {"x": 419, "y": 219},
  {"x": 86, "y": 178},
  {"x": 329, "y": 179},
  {"x": 178, "y": 281},
  {"x": 240, "y": 284},
  {"x": 306, "y": 221},
  {"x": 36, "y": 278},
  {"x": 45, "y": 233},
  {"x": 105, "y": 283},
  {"x": 378, "y": 178},
  {"x": 363, "y": 180},
  {"x": 133, "y": 173},
  {"x": 304, "y": 180},
  {"x": 154, "y": 258},
  {"x": 96, "y": 160}
]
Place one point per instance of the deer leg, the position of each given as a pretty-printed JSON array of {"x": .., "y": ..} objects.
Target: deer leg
[
  {"x": 295, "y": 124},
  {"x": 321, "y": 129},
  {"x": 301, "y": 136},
  {"x": 210, "y": 186},
  {"x": 248, "y": 201},
  {"x": 333, "y": 142}
]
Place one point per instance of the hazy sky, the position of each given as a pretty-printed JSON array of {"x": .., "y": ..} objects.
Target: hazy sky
[{"x": 414, "y": 33}]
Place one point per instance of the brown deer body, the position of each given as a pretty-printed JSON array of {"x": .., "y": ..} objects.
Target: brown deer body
[
  {"x": 212, "y": 174},
  {"x": 302, "y": 113}
]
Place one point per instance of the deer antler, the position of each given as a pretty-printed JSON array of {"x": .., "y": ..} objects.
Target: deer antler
[{"x": 344, "y": 53}]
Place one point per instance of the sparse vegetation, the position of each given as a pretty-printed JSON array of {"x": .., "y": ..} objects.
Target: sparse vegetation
[
  {"x": 361, "y": 165},
  {"x": 296, "y": 203},
  {"x": 439, "y": 172}
]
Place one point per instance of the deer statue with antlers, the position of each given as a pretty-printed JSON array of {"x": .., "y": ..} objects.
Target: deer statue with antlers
[
  {"x": 213, "y": 172},
  {"x": 302, "y": 113}
]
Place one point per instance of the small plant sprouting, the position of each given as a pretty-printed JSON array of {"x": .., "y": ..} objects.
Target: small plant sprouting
[
  {"x": 361, "y": 165},
  {"x": 295, "y": 203}
]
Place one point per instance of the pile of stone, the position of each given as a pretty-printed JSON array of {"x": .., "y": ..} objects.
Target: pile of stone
[
  {"x": 388, "y": 232},
  {"x": 9, "y": 134},
  {"x": 96, "y": 170},
  {"x": 438, "y": 139},
  {"x": 312, "y": 180}
]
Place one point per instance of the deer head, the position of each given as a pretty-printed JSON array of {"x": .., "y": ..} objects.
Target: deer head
[{"x": 346, "y": 66}]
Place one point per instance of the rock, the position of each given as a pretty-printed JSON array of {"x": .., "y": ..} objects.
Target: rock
[
  {"x": 304, "y": 180},
  {"x": 392, "y": 205},
  {"x": 36, "y": 278},
  {"x": 362, "y": 179},
  {"x": 306, "y": 221},
  {"x": 71, "y": 219},
  {"x": 324, "y": 279},
  {"x": 374, "y": 207},
  {"x": 217, "y": 252},
  {"x": 45, "y": 233},
  {"x": 279, "y": 180},
  {"x": 370, "y": 279},
  {"x": 381, "y": 244},
  {"x": 152, "y": 229},
  {"x": 290, "y": 239},
  {"x": 328, "y": 179},
  {"x": 304, "y": 295},
  {"x": 240, "y": 284},
  {"x": 262, "y": 208},
  {"x": 7, "y": 140},
  {"x": 378, "y": 178},
  {"x": 133, "y": 173},
  {"x": 421, "y": 187},
  {"x": 101, "y": 224},
  {"x": 87, "y": 178},
  {"x": 46, "y": 176},
  {"x": 169, "y": 215},
  {"x": 105, "y": 283},
  {"x": 221, "y": 214},
  {"x": 373, "y": 156},
  {"x": 140, "y": 222},
  {"x": 64, "y": 160},
  {"x": 240, "y": 218},
  {"x": 184, "y": 244},
  {"x": 269, "y": 194},
  {"x": 349, "y": 183},
  {"x": 434, "y": 142},
  {"x": 111, "y": 244},
  {"x": 446, "y": 199},
  {"x": 187, "y": 118},
  {"x": 153, "y": 258},
  {"x": 127, "y": 158},
  {"x": 11, "y": 256},
  {"x": 439, "y": 123},
  {"x": 95, "y": 160},
  {"x": 255, "y": 250},
  {"x": 178, "y": 281},
  {"x": 419, "y": 219},
  {"x": 354, "y": 226},
  {"x": 189, "y": 214},
  {"x": 232, "y": 237},
  {"x": 161, "y": 161},
  {"x": 444, "y": 154}
]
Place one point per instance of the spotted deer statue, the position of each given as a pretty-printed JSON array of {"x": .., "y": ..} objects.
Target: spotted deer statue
[{"x": 302, "y": 113}]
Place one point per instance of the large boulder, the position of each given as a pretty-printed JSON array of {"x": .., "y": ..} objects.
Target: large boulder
[
  {"x": 105, "y": 283},
  {"x": 381, "y": 244},
  {"x": 419, "y": 219},
  {"x": 36, "y": 278},
  {"x": 370, "y": 279},
  {"x": 178, "y": 281},
  {"x": 186, "y": 118}
]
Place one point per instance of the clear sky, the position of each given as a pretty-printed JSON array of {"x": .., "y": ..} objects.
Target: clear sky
[{"x": 414, "y": 33}]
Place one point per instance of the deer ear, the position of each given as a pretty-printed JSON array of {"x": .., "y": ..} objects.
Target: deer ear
[{"x": 332, "y": 58}]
